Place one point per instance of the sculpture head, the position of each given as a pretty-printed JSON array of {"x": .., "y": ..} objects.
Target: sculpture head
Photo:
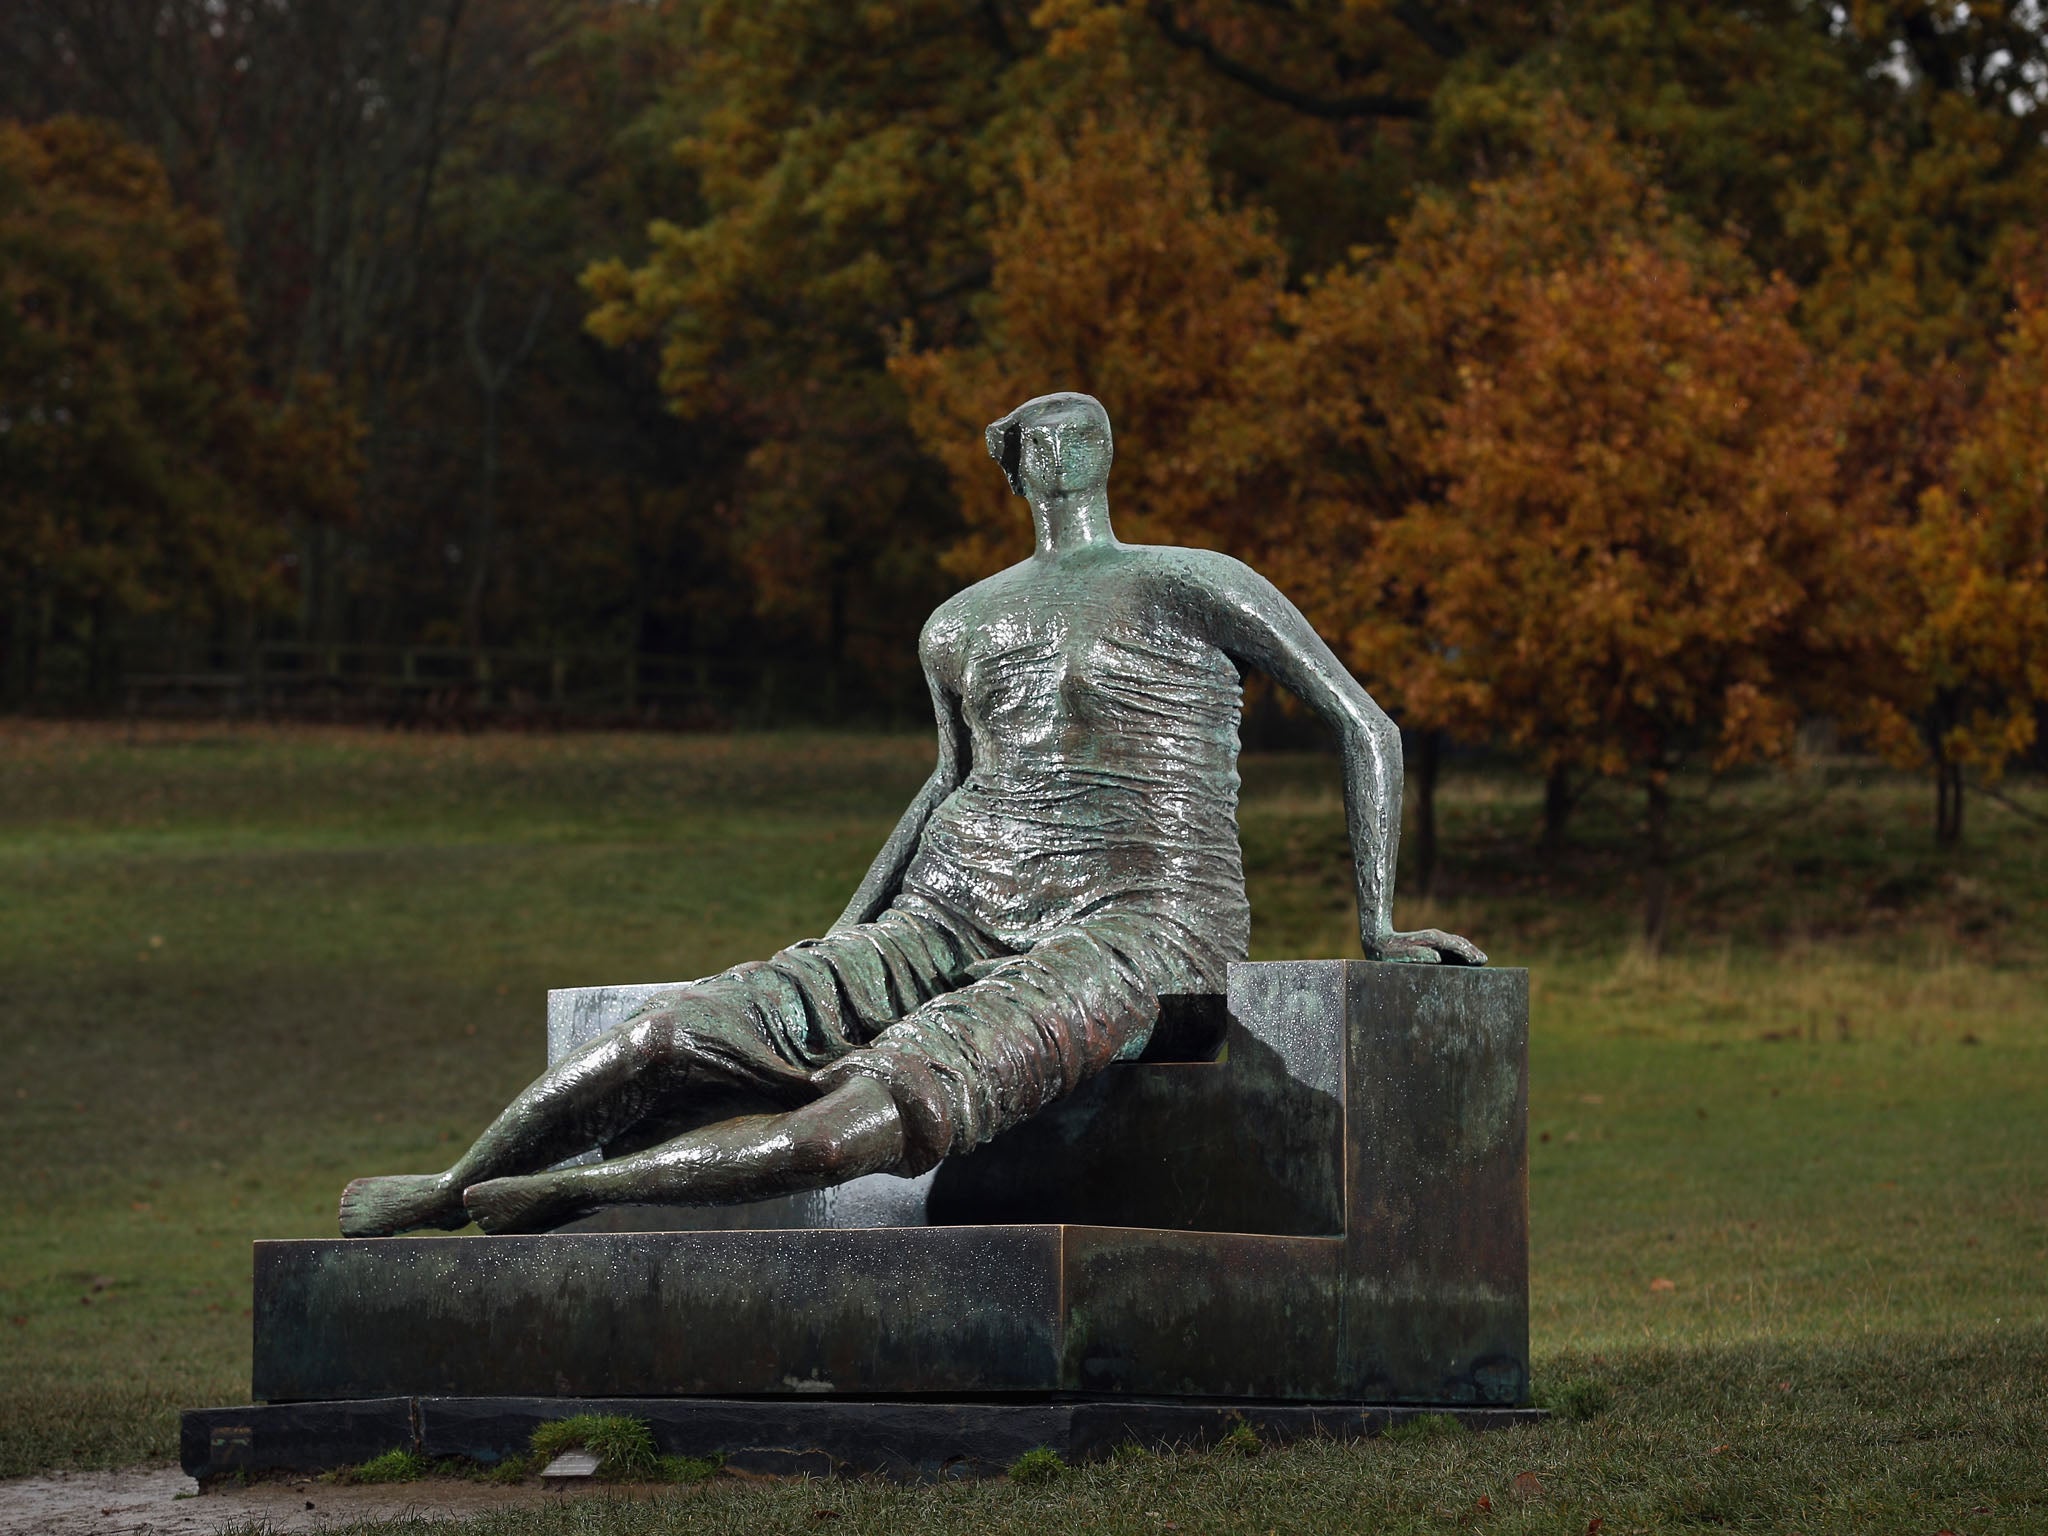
[{"x": 1054, "y": 447}]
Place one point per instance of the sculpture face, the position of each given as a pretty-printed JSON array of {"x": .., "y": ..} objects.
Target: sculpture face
[{"x": 1054, "y": 447}]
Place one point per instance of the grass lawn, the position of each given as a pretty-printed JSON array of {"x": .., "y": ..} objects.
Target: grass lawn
[{"x": 1789, "y": 1183}]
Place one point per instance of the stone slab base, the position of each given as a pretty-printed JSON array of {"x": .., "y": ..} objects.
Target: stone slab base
[{"x": 896, "y": 1437}]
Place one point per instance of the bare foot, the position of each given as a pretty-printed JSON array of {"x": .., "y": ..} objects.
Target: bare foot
[
  {"x": 400, "y": 1202},
  {"x": 532, "y": 1203}
]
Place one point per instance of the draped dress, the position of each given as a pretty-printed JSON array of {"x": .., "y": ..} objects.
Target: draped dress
[{"x": 1086, "y": 866}]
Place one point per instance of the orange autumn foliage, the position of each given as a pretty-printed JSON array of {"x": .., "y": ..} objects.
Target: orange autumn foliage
[
  {"x": 1342, "y": 412},
  {"x": 1977, "y": 561},
  {"x": 1117, "y": 271},
  {"x": 1637, "y": 551}
]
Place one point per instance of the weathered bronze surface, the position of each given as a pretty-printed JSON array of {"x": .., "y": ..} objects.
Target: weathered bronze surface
[
  {"x": 1379, "y": 1253},
  {"x": 1181, "y": 1139},
  {"x": 1072, "y": 861}
]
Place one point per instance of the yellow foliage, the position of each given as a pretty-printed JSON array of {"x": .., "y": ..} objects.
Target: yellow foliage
[{"x": 1978, "y": 558}]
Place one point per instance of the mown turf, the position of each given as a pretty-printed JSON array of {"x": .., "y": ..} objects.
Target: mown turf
[{"x": 238, "y": 967}]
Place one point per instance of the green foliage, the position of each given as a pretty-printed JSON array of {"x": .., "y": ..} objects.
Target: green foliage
[
  {"x": 624, "y": 1446},
  {"x": 397, "y": 1465},
  {"x": 1039, "y": 1465}
]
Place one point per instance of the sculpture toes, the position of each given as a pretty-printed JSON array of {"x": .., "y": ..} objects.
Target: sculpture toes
[
  {"x": 502, "y": 1207},
  {"x": 362, "y": 1213},
  {"x": 394, "y": 1203}
]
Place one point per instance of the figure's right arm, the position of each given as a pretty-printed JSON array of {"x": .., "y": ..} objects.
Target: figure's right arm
[{"x": 885, "y": 875}]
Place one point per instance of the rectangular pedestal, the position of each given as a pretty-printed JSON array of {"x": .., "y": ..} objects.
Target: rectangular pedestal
[
  {"x": 1336, "y": 1210},
  {"x": 934, "y": 1310}
]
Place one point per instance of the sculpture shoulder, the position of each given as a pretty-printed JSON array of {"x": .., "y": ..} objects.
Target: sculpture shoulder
[
  {"x": 942, "y": 642},
  {"x": 1206, "y": 581}
]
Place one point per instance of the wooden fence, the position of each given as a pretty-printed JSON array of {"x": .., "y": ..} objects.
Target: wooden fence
[{"x": 296, "y": 678}]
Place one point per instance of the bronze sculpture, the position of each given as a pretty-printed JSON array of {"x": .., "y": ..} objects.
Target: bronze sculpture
[{"x": 1072, "y": 860}]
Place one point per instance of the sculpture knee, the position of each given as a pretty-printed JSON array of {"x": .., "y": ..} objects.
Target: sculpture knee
[{"x": 656, "y": 1039}]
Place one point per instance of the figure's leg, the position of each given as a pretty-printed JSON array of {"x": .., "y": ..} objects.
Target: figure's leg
[
  {"x": 762, "y": 1027},
  {"x": 852, "y": 1131},
  {"x": 587, "y": 1098},
  {"x": 976, "y": 1061}
]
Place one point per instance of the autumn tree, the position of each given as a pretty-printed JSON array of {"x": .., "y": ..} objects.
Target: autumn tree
[
  {"x": 831, "y": 157},
  {"x": 1117, "y": 271},
  {"x": 142, "y": 472},
  {"x": 1344, "y": 405},
  {"x": 1637, "y": 559},
  {"x": 1976, "y": 654}
]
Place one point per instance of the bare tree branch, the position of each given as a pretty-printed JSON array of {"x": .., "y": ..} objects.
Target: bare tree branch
[
  {"x": 2010, "y": 804},
  {"x": 1438, "y": 36},
  {"x": 1336, "y": 108}
]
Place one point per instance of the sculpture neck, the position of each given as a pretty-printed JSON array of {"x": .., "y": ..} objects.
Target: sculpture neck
[{"x": 1068, "y": 523}]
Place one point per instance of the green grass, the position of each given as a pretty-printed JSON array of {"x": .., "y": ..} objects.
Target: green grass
[
  {"x": 624, "y": 1447},
  {"x": 397, "y": 1465},
  {"x": 1041, "y": 1464},
  {"x": 1809, "y": 1144}
]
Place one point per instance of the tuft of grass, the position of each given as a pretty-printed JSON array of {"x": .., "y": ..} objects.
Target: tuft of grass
[
  {"x": 1242, "y": 1440},
  {"x": 1580, "y": 1400},
  {"x": 624, "y": 1446},
  {"x": 1039, "y": 1465},
  {"x": 686, "y": 1469},
  {"x": 397, "y": 1465},
  {"x": 1424, "y": 1426},
  {"x": 507, "y": 1470}
]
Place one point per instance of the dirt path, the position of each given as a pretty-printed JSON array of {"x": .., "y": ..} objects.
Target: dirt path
[{"x": 162, "y": 1501}]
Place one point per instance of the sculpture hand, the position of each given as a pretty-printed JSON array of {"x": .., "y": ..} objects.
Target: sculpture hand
[{"x": 1425, "y": 946}]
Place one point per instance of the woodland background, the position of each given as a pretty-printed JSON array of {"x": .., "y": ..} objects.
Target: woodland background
[{"x": 1623, "y": 385}]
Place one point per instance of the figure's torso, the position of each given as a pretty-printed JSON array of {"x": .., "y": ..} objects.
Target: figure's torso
[{"x": 1103, "y": 725}]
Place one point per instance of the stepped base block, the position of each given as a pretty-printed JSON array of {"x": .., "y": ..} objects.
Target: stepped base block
[
  {"x": 1323, "y": 1227},
  {"x": 901, "y": 1438},
  {"x": 923, "y": 1311}
]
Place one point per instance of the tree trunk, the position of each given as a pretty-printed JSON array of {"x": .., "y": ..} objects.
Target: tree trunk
[
  {"x": 1558, "y": 801},
  {"x": 20, "y": 672},
  {"x": 1657, "y": 870},
  {"x": 1423, "y": 763},
  {"x": 492, "y": 379},
  {"x": 1948, "y": 803}
]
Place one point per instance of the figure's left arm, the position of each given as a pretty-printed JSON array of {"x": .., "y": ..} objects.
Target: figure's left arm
[{"x": 1252, "y": 621}]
